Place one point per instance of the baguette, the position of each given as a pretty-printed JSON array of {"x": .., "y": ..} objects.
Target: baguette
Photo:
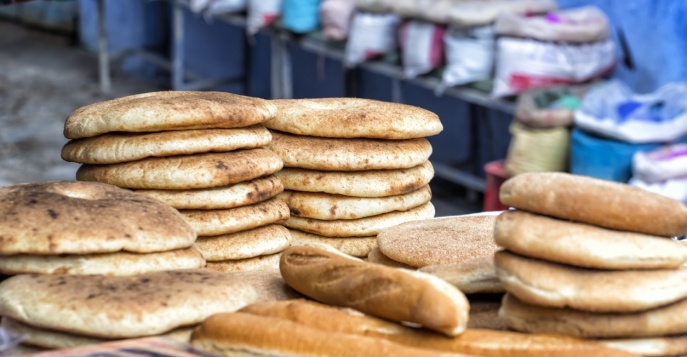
[
  {"x": 241, "y": 334},
  {"x": 395, "y": 294}
]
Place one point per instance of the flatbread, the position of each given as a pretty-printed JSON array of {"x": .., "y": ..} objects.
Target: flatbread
[
  {"x": 650, "y": 346},
  {"x": 268, "y": 284},
  {"x": 447, "y": 240},
  {"x": 376, "y": 256},
  {"x": 357, "y": 247},
  {"x": 471, "y": 277},
  {"x": 172, "y": 110},
  {"x": 113, "y": 148},
  {"x": 265, "y": 262},
  {"x": 119, "y": 263},
  {"x": 584, "y": 245},
  {"x": 236, "y": 195},
  {"x": 216, "y": 222},
  {"x": 121, "y": 307},
  {"x": 310, "y": 152},
  {"x": 556, "y": 285},
  {"x": 327, "y": 206},
  {"x": 70, "y": 217},
  {"x": 353, "y": 118},
  {"x": 185, "y": 172},
  {"x": 372, "y": 183},
  {"x": 361, "y": 227},
  {"x": 250, "y": 243},
  {"x": 666, "y": 320}
]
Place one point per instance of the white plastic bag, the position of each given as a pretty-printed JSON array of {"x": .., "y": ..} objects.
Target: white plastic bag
[
  {"x": 336, "y": 16},
  {"x": 673, "y": 188},
  {"x": 372, "y": 35},
  {"x": 469, "y": 55},
  {"x": 217, "y": 7},
  {"x": 662, "y": 164},
  {"x": 422, "y": 47},
  {"x": 481, "y": 12},
  {"x": 262, "y": 13},
  {"x": 614, "y": 111},
  {"x": 523, "y": 64},
  {"x": 584, "y": 24}
]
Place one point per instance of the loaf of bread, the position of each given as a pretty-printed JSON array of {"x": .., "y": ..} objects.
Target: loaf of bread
[{"x": 391, "y": 293}]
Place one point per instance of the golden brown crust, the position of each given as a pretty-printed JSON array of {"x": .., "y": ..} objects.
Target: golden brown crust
[
  {"x": 355, "y": 246},
  {"x": 226, "y": 221},
  {"x": 250, "y": 243},
  {"x": 265, "y": 262}
]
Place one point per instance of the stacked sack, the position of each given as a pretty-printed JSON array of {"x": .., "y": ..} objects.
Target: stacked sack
[
  {"x": 202, "y": 153},
  {"x": 352, "y": 167},
  {"x": 593, "y": 259}
]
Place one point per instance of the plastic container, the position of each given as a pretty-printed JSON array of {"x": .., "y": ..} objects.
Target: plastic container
[{"x": 496, "y": 176}]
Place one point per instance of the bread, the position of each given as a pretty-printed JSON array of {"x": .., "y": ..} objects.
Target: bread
[
  {"x": 226, "y": 221},
  {"x": 584, "y": 245},
  {"x": 376, "y": 256},
  {"x": 355, "y": 246},
  {"x": 471, "y": 277},
  {"x": 185, "y": 172},
  {"x": 371, "y": 183},
  {"x": 119, "y": 147},
  {"x": 172, "y": 110},
  {"x": 353, "y": 118},
  {"x": 354, "y": 154},
  {"x": 447, "y": 240},
  {"x": 268, "y": 285},
  {"x": 597, "y": 202},
  {"x": 250, "y": 243},
  {"x": 484, "y": 314},
  {"x": 557, "y": 285},
  {"x": 70, "y": 217},
  {"x": 650, "y": 346},
  {"x": 391, "y": 293},
  {"x": 264, "y": 262}
]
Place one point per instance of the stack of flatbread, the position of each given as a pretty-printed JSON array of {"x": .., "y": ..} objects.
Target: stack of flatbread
[
  {"x": 594, "y": 259},
  {"x": 72, "y": 227},
  {"x": 202, "y": 153},
  {"x": 351, "y": 168}
]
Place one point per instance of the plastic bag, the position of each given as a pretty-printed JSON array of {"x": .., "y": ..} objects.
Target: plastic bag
[
  {"x": 523, "y": 64},
  {"x": 8, "y": 342},
  {"x": 585, "y": 24},
  {"x": 480, "y": 13},
  {"x": 422, "y": 47},
  {"x": 262, "y": 13},
  {"x": 372, "y": 35},
  {"x": 667, "y": 162},
  {"x": 614, "y": 111},
  {"x": 537, "y": 150},
  {"x": 673, "y": 188},
  {"x": 469, "y": 55},
  {"x": 301, "y": 16},
  {"x": 336, "y": 18},
  {"x": 216, "y": 7},
  {"x": 375, "y": 6},
  {"x": 550, "y": 107}
]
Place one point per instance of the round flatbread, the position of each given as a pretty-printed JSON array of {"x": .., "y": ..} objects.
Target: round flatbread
[
  {"x": 556, "y": 285},
  {"x": 173, "y": 110},
  {"x": 225, "y": 221},
  {"x": 361, "y": 227},
  {"x": 376, "y": 256},
  {"x": 666, "y": 320},
  {"x": 119, "y": 263},
  {"x": 250, "y": 243},
  {"x": 357, "y": 247},
  {"x": 236, "y": 195},
  {"x": 471, "y": 277},
  {"x": 265, "y": 262},
  {"x": 113, "y": 306},
  {"x": 326, "y": 206},
  {"x": 119, "y": 147},
  {"x": 69, "y": 217},
  {"x": 268, "y": 284},
  {"x": 353, "y": 118},
  {"x": 373, "y": 183},
  {"x": 185, "y": 172},
  {"x": 310, "y": 152},
  {"x": 447, "y": 240},
  {"x": 584, "y": 245},
  {"x": 650, "y": 346}
]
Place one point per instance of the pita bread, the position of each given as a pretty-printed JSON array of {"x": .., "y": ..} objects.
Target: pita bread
[
  {"x": 70, "y": 217},
  {"x": 584, "y": 245},
  {"x": 650, "y": 346},
  {"x": 471, "y": 277},
  {"x": 236, "y": 195},
  {"x": 173, "y": 110},
  {"x": 447, "y": 240},
  {"x": 217, "y": 222},
  {"x": 265, "y": 262},
  {"x": 372, "y": 183},
  {"x": 118, "y": 147},
  {"x": 119, "y": 263},
  {"x": 185, "y": 172},
  {"x": 315, "y": 153},
  {"x": 112, "y": 306},
  {"x": 361, "y": 227},
  {"x": 666, "y": 320},
  {"x": 376, "y": 256},
  {"x": 357, "y": 247},
  {"x": 353, "y": 118},
  {"x": 268, "y": 284},
  {"x": 556, "y": 285},
  {"x": 331, "y": 207},
  {"x": 251, "y": 243}
]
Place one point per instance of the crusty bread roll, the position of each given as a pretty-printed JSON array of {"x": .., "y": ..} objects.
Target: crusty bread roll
[
  {"x": 241, "y": 334},
  {"x": 391, "y": 293}
]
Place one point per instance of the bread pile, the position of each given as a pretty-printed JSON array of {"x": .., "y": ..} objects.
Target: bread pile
[
  {"x": 351, "y": 168},
  {"x": 201, "y": 152},
  {"x": 593, "y": 259}
]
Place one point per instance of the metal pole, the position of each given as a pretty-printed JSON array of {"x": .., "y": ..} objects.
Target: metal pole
[
  {"x": 178, "y": 39},
  {"x": 103, "y": 54}
]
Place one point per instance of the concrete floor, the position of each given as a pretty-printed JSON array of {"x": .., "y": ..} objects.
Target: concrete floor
[{"x": 43, "y": 78}]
